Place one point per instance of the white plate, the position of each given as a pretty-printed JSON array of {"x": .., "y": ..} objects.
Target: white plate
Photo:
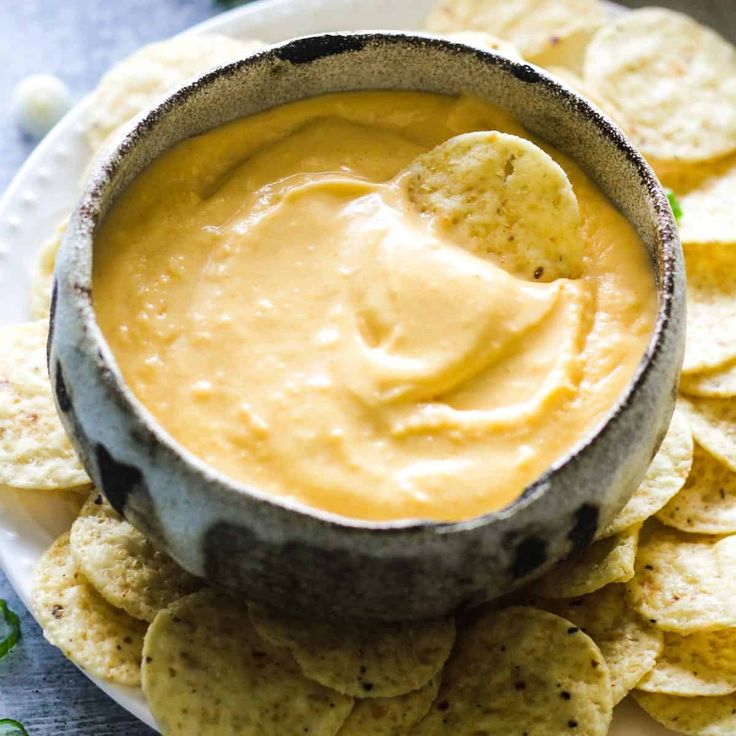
[{"x": 45, "y": 190}]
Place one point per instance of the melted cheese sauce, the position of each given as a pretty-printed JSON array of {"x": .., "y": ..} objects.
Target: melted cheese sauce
[{"x": 273, "y": 298}]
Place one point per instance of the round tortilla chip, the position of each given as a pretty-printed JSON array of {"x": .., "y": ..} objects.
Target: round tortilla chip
[
  {"x": 607, "y": 561},
  {"x": 137, "y": 82},
  {"x": 102, "y": 640},
  {"x": 707, "y": 502},
  {"x": 664, "y": 479},
  {"x": 713, "y": 422},
  {"x": 711, "y": 307},
  {"x": 708, "y": 214},
  {"x": 698, "y": 664},
  {"x": 206, "y": 672},
  {"x": 684, "y": 582},
  {"x": 366, "y": 660},
  {"x": 535, "y": 27},
  {"x": 487, "y": 42},
  {"x": 508, "y": 197},
  {"x": 42, "y": 281},
  {"x": 691, "y": 716},
  {"x": 671, "y": 80},
  {"x": 521, "y": 670},
  {"x": 629, "y": 644},
  {"x": 390, "y": 716},
  {"x": 124, "y": 566},
  {"x": 719, "y": 383},
  {"x": 34, "y": 449}
]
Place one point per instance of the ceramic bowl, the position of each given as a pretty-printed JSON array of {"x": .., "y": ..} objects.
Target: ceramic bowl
[{"x": 295, "y": 558}]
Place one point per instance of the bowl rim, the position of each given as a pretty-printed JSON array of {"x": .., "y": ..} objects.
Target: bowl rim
[{"x": 80, "y": 236}]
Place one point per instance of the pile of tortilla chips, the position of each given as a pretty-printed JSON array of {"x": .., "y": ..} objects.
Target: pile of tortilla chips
[{"x": 649, "y": 608}]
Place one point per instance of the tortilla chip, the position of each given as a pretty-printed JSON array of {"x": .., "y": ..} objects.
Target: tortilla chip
[
  {"x": 124, "y": 567},
  {"x": 508, "y": 196},
  {"x": 711, "y": 307},
  {"x": 698, "y": 664},
  {"x": 43, "y": 275},
  {"x": 366, "y": 660},
  {"x": 708, "y": 214},
  {"x": 521, "y": 670},
  {"x": 691, "y": 716},
  {"x": 390, "y": 716},
  {"x": 607, "y": 561},
  {"x": 707, "y": 502},
  {"x": 665, "y": 477},
  {"x": 487, "y": 42},
  {"x": 206, "y": 672},
  {"x": 100, "y": 639},
  {"x": 713, "y": 422},
  {"x": 34, "y": 449},
  {"x": 536, "y": 27},
  {"x": 671, "y": 81},
  {"x": 629, "y": 644},
  {"x": 684, "y": 582},
  {"x": 137, "y": 82},
  {"x": 719, "y": 383}
]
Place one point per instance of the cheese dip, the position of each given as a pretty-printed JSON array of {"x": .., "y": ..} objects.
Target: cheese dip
[{"x": 272, "y": 297}]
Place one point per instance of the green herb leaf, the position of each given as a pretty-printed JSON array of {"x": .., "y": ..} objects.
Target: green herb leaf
[
  {"x": 674, "y": 204},
  {"x": 9, "y": 727},
  {"x": 9, "y": 632}
]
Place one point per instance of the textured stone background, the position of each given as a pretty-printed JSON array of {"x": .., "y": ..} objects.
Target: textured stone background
[{"x": 78, "y": 40}]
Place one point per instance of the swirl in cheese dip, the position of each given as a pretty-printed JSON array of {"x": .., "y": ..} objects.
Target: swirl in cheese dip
[{"x": 273, "y": 298}]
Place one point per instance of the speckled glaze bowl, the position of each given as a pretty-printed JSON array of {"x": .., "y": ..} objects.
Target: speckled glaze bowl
[{"x": 299, "y": 559}]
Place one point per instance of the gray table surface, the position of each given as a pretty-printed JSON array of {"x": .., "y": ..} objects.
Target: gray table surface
[{"x": 78, "y": 40}]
